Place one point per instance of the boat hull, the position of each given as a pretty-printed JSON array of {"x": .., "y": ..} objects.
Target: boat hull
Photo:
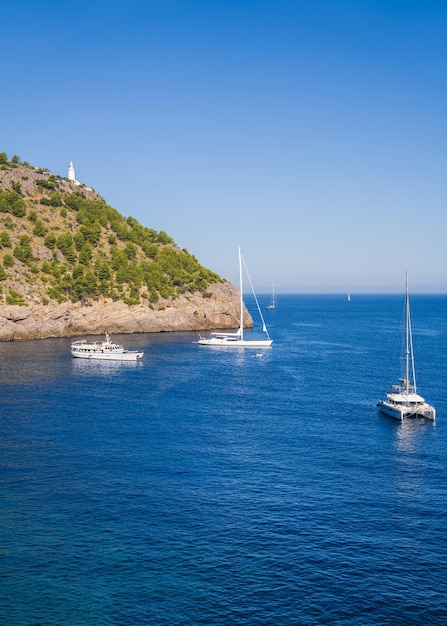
[
  {"x": 235, "y": 343},
  {"x": 401, "y": 412},
  {"x": 104, "y": 356}
]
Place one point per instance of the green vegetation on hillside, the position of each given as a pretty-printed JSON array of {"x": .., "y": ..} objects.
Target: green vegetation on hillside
[{"x": 65, "y": 243}]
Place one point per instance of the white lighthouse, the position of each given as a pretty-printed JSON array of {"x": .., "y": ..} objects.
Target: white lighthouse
[{"x": 71, "y": 173}]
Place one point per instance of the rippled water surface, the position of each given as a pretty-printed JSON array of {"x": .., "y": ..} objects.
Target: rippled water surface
[{"x": 207, "y": 486}]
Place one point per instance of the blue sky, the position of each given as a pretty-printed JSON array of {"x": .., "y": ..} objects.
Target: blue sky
[{"x": 310, "y": 133}]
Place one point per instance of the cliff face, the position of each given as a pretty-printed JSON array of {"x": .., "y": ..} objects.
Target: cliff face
[{"x": 186, "y": 313}]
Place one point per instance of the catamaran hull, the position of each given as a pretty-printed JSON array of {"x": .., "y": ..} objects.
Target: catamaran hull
[{"x": 403, "y": 412}]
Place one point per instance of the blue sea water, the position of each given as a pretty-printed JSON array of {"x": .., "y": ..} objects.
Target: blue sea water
[{"x": 210, "y": 486}]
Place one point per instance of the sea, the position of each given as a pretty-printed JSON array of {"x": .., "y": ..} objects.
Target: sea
[{"x": 239, "y": 487}]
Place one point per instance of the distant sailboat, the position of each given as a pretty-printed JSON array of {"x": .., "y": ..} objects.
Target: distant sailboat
[
  {"x": 273, "y": 304},
  {"x": 236, "y": 340},
  {"x": 403, "y": 400},
  {"x": 349, "y": 297}
]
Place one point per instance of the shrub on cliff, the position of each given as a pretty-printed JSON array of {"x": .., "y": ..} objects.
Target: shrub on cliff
[
  {"x": 8, "y": 260},
  {"x": 5, "y": 240},
  {"x": 24, "y": 251},
  {"x": 47, "y": 183},
  {"x": 12, "y": 202},
  {"x": 39, "y": 229},
  {"x": 66, "y": 245},
  {"x": 50, "y": 241},
  {"x": 15, "y": 298}
]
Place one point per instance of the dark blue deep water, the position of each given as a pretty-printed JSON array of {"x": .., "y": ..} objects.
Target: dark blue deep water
[{"x": 206, "y": 486}]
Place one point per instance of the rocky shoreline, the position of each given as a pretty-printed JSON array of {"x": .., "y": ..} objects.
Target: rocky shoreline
[{"x": 186, "y": 313}]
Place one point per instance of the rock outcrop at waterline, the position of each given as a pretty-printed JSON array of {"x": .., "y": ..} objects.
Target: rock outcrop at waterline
[{"x": 89, "y": 317}]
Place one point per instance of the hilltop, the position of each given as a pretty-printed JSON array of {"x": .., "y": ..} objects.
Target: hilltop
[{"x": 71, "y": 264}]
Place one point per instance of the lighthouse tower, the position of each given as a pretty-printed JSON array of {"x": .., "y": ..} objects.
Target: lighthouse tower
[{"x": 71, "y": 172}]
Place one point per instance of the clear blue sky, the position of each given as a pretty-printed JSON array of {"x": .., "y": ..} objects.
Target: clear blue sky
[{"x": 311, "y": 133}]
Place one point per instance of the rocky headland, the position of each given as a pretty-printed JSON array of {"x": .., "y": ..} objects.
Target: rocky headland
[{"x": 71, "y": 265}]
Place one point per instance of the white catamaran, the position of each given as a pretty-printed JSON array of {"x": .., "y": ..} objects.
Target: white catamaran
[
  {"x": 403, "y": 400},
  {"x": 236, "y": 340}
]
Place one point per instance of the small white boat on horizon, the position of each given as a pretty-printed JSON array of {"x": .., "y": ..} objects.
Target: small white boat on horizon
[
  {"x": 403, "y": 400},
  {"x": 103, "y": 350},
  {"x": 236, "y": 340},
  {"x": 273, "y": 304}
]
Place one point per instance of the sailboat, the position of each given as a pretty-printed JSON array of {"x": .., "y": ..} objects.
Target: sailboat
[
  {"x": 237, "y": 340},
  {"x": 403, "y": 400},
  {"x": 273, "y": 304}
]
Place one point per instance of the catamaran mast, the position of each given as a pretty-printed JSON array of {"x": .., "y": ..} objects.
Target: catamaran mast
[
  {"x": 407, "y": 342},
  {"x": 409, "y": 345}
]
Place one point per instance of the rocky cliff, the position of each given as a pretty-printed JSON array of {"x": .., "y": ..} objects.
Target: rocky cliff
[{"x": 187, "y": 313}]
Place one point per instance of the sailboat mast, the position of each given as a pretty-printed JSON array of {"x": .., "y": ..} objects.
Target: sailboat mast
[
  {"x": 242, "y": 299},
  {"x": 407, "y": 335}
]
